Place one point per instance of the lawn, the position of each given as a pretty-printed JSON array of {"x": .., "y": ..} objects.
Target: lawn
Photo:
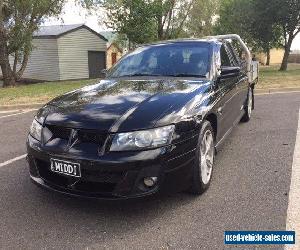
[
  {"x": 38, "y": 93},
  {"x": 270, "y": 78}
]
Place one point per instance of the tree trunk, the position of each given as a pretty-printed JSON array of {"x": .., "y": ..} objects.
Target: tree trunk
[
  {"x": 268, "y": 57},
  {"x": 160, "y": 33},
  {"x": 287, "y": 49},
  {"x": 15, "y": 62},
  {"x": 19, "y": 74},
  {"x": 7, "y": 73},
  {"x": 8, "y": 77},
  {"x": 168, "y": 19},
  {"x": 185, "y": 17},
  {"x": 160, "y": 28}
]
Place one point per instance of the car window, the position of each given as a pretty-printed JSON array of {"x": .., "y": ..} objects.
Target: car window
[
  {"x": 174, "y": 59},
  {"x": 225, "y": 61},
  {"x": 233, "y": 56}
]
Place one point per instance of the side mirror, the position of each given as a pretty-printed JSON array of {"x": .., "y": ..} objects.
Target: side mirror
[{"x": 227, "y": 72}]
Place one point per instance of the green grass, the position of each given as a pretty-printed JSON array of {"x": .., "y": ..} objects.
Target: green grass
[
  {"x": 269, "y": 77},
  {"x": 40, "y": 92}
]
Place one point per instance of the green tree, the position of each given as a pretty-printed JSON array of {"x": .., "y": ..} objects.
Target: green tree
[
  {"x": 171, "y": 17},
  {"x": 266, "y": 33},
  {"x": 147, "y": 20},
  {"x": 18, "y": 21},
  {"x": 288, "y": 17},
  {"x": 254, "y": 21},
  {"x": 231, "y": 18},
  {"x": 202, "y": 18},
  {"x": 131, "y": 17}
]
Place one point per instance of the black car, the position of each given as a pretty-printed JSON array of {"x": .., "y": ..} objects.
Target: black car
[{"x": 153, "y": 124}]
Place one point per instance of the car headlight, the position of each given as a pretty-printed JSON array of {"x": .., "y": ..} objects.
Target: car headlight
[
  {"x": 143, "y": 139},
  {"x": 36, "y": 130}
]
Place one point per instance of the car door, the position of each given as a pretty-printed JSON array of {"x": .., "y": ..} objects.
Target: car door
[
  {"x": 227, "y": 108},
  {"x": 242, "y": 81}
]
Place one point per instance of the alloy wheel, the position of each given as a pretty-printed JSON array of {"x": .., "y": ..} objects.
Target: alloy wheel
[{"x": 206, "y": 156}]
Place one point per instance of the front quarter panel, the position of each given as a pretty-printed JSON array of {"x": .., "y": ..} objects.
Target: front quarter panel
[{"x": 189, "y": 114}]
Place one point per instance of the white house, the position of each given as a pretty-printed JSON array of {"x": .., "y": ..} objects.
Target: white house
[{"x": 65, "y": 52}]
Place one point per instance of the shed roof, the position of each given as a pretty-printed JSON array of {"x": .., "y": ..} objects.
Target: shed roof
[{"x": 56, "y": 31}]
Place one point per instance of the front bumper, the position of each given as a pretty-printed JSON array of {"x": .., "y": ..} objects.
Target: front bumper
[{"x": 116, "y": 175}]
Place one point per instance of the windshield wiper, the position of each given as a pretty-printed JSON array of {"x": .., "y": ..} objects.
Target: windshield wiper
[{"x": 188, "y": 75}]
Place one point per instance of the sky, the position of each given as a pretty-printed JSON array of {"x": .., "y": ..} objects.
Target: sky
[
  {"x": 73, "y": 14},
  {"x": 296, "y": 43}
]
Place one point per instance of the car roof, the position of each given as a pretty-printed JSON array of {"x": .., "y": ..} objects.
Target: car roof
[{"x": 183, "y": 40}]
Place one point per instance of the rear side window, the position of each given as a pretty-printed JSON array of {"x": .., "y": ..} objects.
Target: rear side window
[
  {"x": 233, "y": 52},
  {"x": 225, "y": 61}
]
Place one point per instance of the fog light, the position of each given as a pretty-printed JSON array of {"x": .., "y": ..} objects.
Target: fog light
[{"x": 150, "y": 181}]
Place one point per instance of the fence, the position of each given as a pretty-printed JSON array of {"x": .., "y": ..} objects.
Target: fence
[{"x": 294, "y": 58}]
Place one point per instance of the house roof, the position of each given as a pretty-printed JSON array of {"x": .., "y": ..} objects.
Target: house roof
[{"x": 56, "y": 31}]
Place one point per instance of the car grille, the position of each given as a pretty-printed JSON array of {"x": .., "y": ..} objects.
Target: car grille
[
  {"x": 85, "y": 136},
  {"x": 94, "y": 181},
  {"x": 102, "y": 176},
  {"x": 59, "y": 132}
]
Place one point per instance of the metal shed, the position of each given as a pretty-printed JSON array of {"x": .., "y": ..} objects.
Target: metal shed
[{"x": 65, "y": 52}]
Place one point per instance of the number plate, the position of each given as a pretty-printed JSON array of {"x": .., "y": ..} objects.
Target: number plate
[{"x": 65, "y": 167}]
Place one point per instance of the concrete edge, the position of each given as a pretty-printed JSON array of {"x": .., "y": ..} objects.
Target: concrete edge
[{"x": 275, "y": 90}]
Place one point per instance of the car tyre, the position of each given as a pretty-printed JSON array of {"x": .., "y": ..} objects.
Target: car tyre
[
  {"x": 249, "y": 106},
  {"x": 205, "y": 154}
]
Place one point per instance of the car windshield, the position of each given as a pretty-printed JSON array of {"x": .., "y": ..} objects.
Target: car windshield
[{"x": 185, "y": 59}]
